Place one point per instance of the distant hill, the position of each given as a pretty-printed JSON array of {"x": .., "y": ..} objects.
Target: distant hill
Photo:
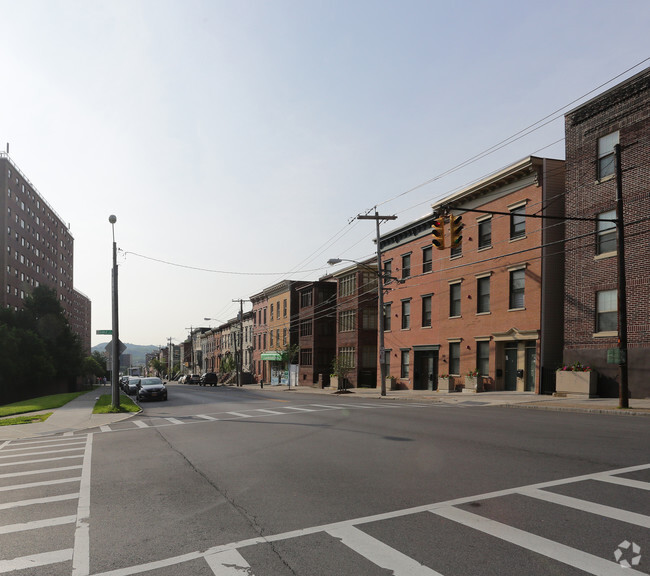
[{"x": 137, "y": 352}]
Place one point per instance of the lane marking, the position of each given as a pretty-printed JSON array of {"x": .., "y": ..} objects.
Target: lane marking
[
  {"x": 174, "y": 421},
  {"x": 299, "y": 408},
  {"x": 81, "y": 557},
  {"x": 625, "y": 482},
  {"x": 528, "y": 541},
  {"x": 206, "y": 417},
  {"x": 228, "y": 563},
  {"x": 42, "y": 453},
  {"x": 34, "y": 501},
  {"x": 586, "y": 506},
  {"x": 269, "y": 411},
  {"x": 105, "y": 428},
  {"x": 141, "y": 424},
  {"x": 37, "y": 484},
  {"x": 37, "y": 524},
  {"x": 81, "y": 442},
  {"x": 41, "y": 460},
  {"x": 240, "y": 414},
  {"x": 35, "y": 560},
  {"x": 380, "y": 554},
  {"x": 42, "y": 471}
]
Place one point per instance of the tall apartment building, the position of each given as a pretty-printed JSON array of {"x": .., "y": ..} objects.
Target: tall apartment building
[
  {"x": 37, "y": 249},
  {"x": 620, "y": 116}
]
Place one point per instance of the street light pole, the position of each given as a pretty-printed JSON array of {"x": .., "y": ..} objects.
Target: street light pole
[{"x": 115, "y": 389}]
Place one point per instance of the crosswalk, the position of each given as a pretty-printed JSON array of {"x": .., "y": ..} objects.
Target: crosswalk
[
  {"x": 358, "y": 538},
  {"x": 144, "y": 422},
  {"x": 45, "y": 485}
]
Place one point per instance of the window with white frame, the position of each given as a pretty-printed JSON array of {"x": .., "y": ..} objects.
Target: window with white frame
[
  {"x": 485, "y": 233},
  {"x": 348, "y": 285},
  {"x": 606, "y": 233},
  {"x": 454, "y": 300},
  {"x": 483, "y": 295},
  {"x": 454, "y": 358},
  {"x": 406, "y": 266},
  {"x": 426, "y": 311},
  {"x": 387, "y": 316},
  {"x": 427, "y": 259},
  {"x": 607, "y": 311},
  {"x": 347, "y": 321},
  {"x": 517, "y": 284},
  {"x": 606, "y": 155},
  {"x": 517, "y": 222},
  {"x": 347, "y": 356},
  {"x": 483, "y": 357},
  {"x": 406, "y": 314},
  {"x": 405, "y": 364}
]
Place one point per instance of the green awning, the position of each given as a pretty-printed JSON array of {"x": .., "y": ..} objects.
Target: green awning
[{"x": 273, "y": 356}]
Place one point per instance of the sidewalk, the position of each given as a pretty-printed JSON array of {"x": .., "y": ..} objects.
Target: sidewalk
[
  {"x": 74, "y": 416},
  {"x": 77, "y": 415}
]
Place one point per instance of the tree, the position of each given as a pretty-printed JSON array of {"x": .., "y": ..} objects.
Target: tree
[
  {"x": 341, "y": 368},
  {"x": 92, "y": 369}
]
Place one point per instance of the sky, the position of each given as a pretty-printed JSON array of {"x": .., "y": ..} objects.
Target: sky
[{"x": 236, "y": 141}]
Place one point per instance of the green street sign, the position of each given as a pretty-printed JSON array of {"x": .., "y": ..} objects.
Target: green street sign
[{"x": 104, "y": 332}]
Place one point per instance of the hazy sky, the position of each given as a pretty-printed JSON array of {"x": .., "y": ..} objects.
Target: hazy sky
[{"x": 236, "y": 140}]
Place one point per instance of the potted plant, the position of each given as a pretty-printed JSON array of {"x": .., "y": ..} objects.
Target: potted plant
[
  {"x": 577, "y": 379},
  {"x": 341, "y": 368}
]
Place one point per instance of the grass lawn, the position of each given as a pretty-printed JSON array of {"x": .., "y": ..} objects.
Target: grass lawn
[
  {"x": 25, "y": 419},
  {"x": 104, "y": 406},
  {"x": 36, "y": 404}
]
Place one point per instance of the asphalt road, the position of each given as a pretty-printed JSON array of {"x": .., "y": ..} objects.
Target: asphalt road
[{"x": 232, "y": 481}]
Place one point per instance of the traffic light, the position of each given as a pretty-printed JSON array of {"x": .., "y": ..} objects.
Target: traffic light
[
  {"x": 456, "y": 230},
  {"x": 438, "y": 233}
]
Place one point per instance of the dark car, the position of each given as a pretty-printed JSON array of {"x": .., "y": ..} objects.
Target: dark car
[
  {"x": 193, "y": 379},
  {"x": 151, "y": 389},
  {"x": 131, "y": 386},
  {"x": 209, "y": 379},
  {"x": 124, "y": 380}
]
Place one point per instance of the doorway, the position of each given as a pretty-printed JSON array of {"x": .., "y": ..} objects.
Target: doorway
[
  {"x": 426, "y": 370},
  {"x": 510, "y": 383}
]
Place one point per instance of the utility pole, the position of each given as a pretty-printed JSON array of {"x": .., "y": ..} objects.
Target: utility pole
[
  {"x": 170, "y": 359},
  {"x": 380, "y": 297},
  {"x": 191, "y": 367},
  {"x": 115, "y": 345},
  {"x": 239, "y": 360},
  {"x": 623, "y": 400}
]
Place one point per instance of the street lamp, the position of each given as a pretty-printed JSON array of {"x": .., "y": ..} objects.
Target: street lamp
[
  {"x": 115, "y": 390},
  {"x": 380, "y": 313}
]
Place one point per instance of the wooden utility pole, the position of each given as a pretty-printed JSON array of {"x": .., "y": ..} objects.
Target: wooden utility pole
[
  {"x": 623, "y": 395},
  {"x": 380, "y": 297}
]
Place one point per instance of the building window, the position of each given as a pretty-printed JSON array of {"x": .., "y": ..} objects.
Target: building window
[
  {"x": 517, "y": 222},
  {"x": 454, "y": 358},
  {"x": 405, "y": 364},
  {"x": 306, "y": 357},
  {"x": 306, "y": 328},
  {"x": 606, "y": 155},
  {"x": 606, "y": 233},
  {"x": 426, "y": 311},
  {"x": 347, "y": 285},
  {"x": 347, "y": 356},
  {"x": 406, "y": 314},
  {"x": 388, "y": 270},
  {"x": 454, "y": 300},
  {"x": 427, "y": 259},
  {"x": 386, "y": 362},
  {"x": 272, "y": 306},
  {"x": 456, "y": 250},
  {"x": 369, "y": 319},
  {"x": 485, "y": 233},
  {"x": 387, "y": 316},
  {"x": 347, "y": 321},
  {"x": 606, "y": 311},
  {"x": 305, "y": 298},
  {"x": 271, "y": 338},
  {"x": 483, "y": 291},
  {"x": 483, "y": 357},
  {"x": 284, "y": 336},
  {"x": 284, "y": 308},
  {"x": 517, "y": 280},
  {"x": 406, "y": 266}
]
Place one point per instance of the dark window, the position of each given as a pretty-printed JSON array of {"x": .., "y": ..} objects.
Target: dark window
[
  {"x": 483, "y": 299},
  {"x": 426, "y": 311},
  {"x": 387, "y": 316},
  {"x": 306, "y": 357},
  {"x": 517, "y": 222},
  {"x": 406, "y": 314},
  {"x": 388, "y": 270},
  {"x": 405, "y": 365},
  {"x": 305, "y": 298},
  {"x": 306, "y": 328},
  {"x": 517, "y": 280},
  {"x": 406, "y": 265},
  {"x": 454, "y": 300},
  {"x": 454, "y": 358},
  {"x": 606, "y": 155},
  {"x": 483, "y": 357},
  {"x": 427, "y": 260},
  {"x": 485, "y": 233}
]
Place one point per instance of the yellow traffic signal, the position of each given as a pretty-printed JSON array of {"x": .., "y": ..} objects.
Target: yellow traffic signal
[
  {"x": 438, "y": 233},
  {"x": 456, "y": 230}
]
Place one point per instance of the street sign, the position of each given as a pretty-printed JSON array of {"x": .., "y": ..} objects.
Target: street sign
[
  {"x": 120, "y": 347},
  {"x": 103, "y": 332}
]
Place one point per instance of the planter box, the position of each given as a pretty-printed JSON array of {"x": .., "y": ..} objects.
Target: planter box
[
  {"x": 473, "y": 384},
  {"x": 445, "y": 385},
  {"x": 578, "y": 383}
]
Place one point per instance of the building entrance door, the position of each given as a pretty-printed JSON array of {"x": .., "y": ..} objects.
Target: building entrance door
[
  {"x": 511, "y": 367},
  {"x": 531, "y": 360},
  {"x": 426, "y": 370}
]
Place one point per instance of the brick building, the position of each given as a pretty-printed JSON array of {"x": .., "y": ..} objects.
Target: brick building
[
  {"x": 37, "y": 249},
  {"x": 491, "y": 305},
  {"x": 621, "y": 116},
  {"x": 317, "y": 332}
]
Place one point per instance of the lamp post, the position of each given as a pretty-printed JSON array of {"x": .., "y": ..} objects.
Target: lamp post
[
  {"x": 380, "y": 313},
  {"x": 115, "y": 390}
]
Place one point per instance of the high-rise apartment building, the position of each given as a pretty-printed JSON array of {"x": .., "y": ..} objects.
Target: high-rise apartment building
[{"x": 37, "y": 249}]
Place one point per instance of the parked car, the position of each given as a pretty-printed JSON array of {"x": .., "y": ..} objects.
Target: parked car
[
  {"x": 131, "y": 386},
  {"x": 151, "y": 389},
  {"x": 193, "y": 379},
  {"x": 209, "y": 379},
  {"x": 124, "y": 380}
]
